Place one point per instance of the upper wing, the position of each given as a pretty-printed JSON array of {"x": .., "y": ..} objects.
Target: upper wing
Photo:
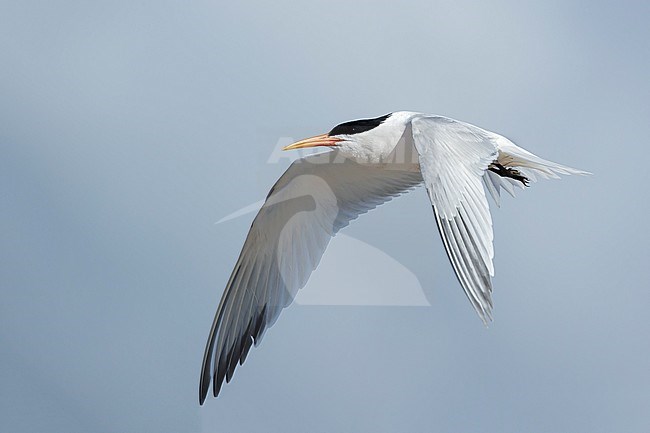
[
  {"x": 453, "y": 159},
  {"x": 312, "y": 200}
]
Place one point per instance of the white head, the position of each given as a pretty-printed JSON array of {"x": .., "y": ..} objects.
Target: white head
[{"x": 369, "y": 140}]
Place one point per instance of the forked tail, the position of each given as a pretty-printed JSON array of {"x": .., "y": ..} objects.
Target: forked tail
[{"x": 517, "y": 167}]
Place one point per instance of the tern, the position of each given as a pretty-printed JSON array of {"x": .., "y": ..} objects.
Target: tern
[{"x": 369, "y": 162}]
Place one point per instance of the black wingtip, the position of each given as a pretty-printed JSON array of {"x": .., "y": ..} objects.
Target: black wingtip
[
  {"x": 248, "y": 343},
  {"x": 216, "y": 388},
  {"x": 219, "y": 375},
  {"x": 204, "y": 386},
  {"x": 204, "y": 383},
  {"x": 226, "y": 360}
]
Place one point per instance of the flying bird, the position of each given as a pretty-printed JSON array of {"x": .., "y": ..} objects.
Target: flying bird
[{"x": 370, "y": 162}]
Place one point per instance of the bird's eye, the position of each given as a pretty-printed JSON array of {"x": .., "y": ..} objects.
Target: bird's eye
[{"x": 357, "y": 126}]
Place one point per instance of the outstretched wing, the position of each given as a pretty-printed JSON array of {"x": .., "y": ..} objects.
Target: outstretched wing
[
  {"x": 453, "y": 159},
  {"x": 311, "y": 201}
]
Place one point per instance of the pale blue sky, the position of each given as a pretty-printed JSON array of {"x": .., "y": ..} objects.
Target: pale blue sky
[{"x": 129, "y": 128}]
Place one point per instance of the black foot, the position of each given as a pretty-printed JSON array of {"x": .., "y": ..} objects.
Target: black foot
[{"x": 508, "y": 172}]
